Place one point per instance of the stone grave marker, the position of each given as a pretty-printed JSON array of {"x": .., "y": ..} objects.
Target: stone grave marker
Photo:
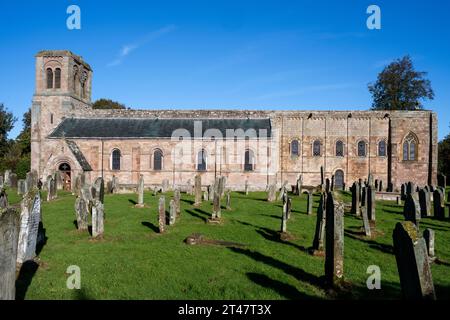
[
  {"x": 198, "y": 190},
  {"x": 424, "y": 201},
  {"x": 320, "y": 225},
  {"x": 334, "y": 243},
  {"x": 309, "y": 203},
  {"x": 411, "y": 210},
  {"x": 355, "y": 198},
  {"x": 172, "y": 212},
  {"x": 438, "y": 204},
  {"x": 97, "y": 218},
  {"x": 228, "y": 194},
  {"x": 140, "y": 192},
  {"x": 13, "y": 180},
  {"x": 30, "y": 217},
  {"x": 428, "y": 235},
  {"x": 9, "y": 237},
  {"x": 3, "y": 199},
  {"x": 177, "y": 199},
  {"x": 21, "y": 187},
  {"x": 162, "y": 214},
  {"x": 272, "y": 194}
]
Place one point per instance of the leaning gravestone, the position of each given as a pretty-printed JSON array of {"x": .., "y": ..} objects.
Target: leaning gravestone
[
  {"x": 334, "y": 243},
  {"x": 162, "y": 214},
  {"x": 320, "y": 225},
  {"x": 13, "y": 179},
  {"x": 3, "y": 199},
  {"x": 99, "y": 186},
  {"x": 412, "y": 262},
  {"x": 428, "y": 235},
  {"x": 172, "y": 212},
  {"x": 282, "y": 191},
  {"x": 97, "y": 218},
  {"x": 216, "y": 215},
  {"x": 309, "y": 203},
  {"x": 438, "y": 204},
  {"x": 9, "y": 236},
  {"x": 366, "y": 223},
  {"x": 355, "y": 198},
  {"x": 411, "y": 210},
  {"x": 371, "y": 203},
  {"x": 299, "y": 185},
  {"x": 198, "y": 190},
  {"x": 30, "y": 217},
  {"x": 424, "y": 201}
]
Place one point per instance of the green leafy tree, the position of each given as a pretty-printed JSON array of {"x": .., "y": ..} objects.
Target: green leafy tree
[
  {"x": 444, "y": 156},
  {"x": 400, "y": 87},
  {"x": 7, "y": 121},
  {"x": 107, "y": 104}
]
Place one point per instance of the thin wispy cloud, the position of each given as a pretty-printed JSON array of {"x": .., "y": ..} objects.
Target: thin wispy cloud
[
  {"x": 304, "y": 90},
  {"x": 129, "y": 48}
]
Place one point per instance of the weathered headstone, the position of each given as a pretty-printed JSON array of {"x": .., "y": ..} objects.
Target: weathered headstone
[
  {"x": 272, "y": 194},
  {"x": 81, "y": 213},
  {"x": 165, "y": 185},
  {"x": 7, "y": 181},
  {"x": 299, "y": 185},
  {"x": 21, "y": 187},
  {"x": 282, "y": 191},
  {"x": 13, "y": 180},
  {"x": 99, "y": 186},
  {"x": 380, "y": 186},
  {"x": 246, "y": 187},
  {"x": 334, "y": 243},
  {"x": 221, "y": 186},
  {"x": 3, "y": 199},
  {"x": 438, "y": 204},
  {"x": 177, "y": 199},
  {"x": 320, "y": 224},
  {"x": 371, "y": 204},
  {"x": 50, "y": 189},
  {"x": 210, "y": 192},
  {"x": 412, "y": 262},
  {"x": 364, "y": 197},
  {"x": 172, "y": 212},
  {"x": 9, "y": 236},
  {"x": 228, "y": 206},
  {"x": 28, "y": 182},
  {"x": 114, "y": 184},
  {"x": 284, "y": 218},
  {"x": 205, "y": 195},
  {"x": 366, "y": 222},
  {"x": 289, "y": 207},
  {"x": 97, "y": 218},
  {"x": 355, "y": 198},
  {"x": 403, "y": 192},
  {"x": 327, "y": 185},
  {"x": 424, "y": 201},
  {"x": 428, "y": 235},
  {"x": 198, "y": 190},
  {"x": 30, "y": 217},
  {"x": 140, "y": 192},
  {"x": 216, "y": 215},
  {"x": 411, "y": 210},
  {"x": 162, "y": 214}
]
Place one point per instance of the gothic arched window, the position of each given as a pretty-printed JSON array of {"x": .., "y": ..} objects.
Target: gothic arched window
[
  {"x": 201, "y": 160},
  {"x": 294, "y": 148},
  {"x": 410, "y": 148},
  {"x": 339, "y": 148},
  {"x": 362, "y": 149},
  {"x": 57, "y": 78},
  {"x": 317, "y": 152},
  {"x": 382, "y": 148},
  {"x": 157, "y": 159},
  {"x": 49, "y": 78},
  {"x": 115, "y": 159},
  {"x": 249, "y": 161}
]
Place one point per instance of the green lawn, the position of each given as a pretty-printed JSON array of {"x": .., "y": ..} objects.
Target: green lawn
[{"x": 133, "y": 261}]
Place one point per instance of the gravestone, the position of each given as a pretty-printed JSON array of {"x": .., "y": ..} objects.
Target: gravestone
[
  {"x": 410, "y": 188},
  {"x": 412, "y": 262},
  {"x": 114, "y": 184},
  {"x": 177, "y": 199},
  {"x": 215, "y": 188},
  {"x": 165, "y": 185},
  {"x": 7, "y": 181},
  {"x": 322, "y": 181},
  {"x": 162, "y": 214},
  {"x": 399, "y": 201},
  {"x": 30, "y": 217},
  {"x": 438, "y": 204},
  {"x": 299, "y": 184},
  {"x": 155, "y": 191},
  {"x": 327, "y": 185},
  {"x": 2, "y": 184},
  {"x": 334, "y": 243},
  {"x": 13, "y": 180},
  {"x": 364, "y": 196},
  {"x": 9, "y": 237},
  {"x": 205, "y": 195},
  {"x": 442, "y": 180},
  {"x": 320, "y": 224},
  {"x": 332, "y": 183},
  {"x": 376, "y": 184},
  {"x": 81, "y": 213},
  {"x": 198, "y": 190},
  {"x": 282, "y": 191},
  {"x": 403, "y": 192},
  {"x": 309, "y": 203},
  {"x": 289, "y": 207},
  {"x": 97, "y": 218},
  {"x": 50, "y": 189},
  {"x": 3, "y": 199},
  {"x": 99, "y": 186},
  {"x": 140, "y": 192},
  {"x": 221, "y": 186},
  {"x": 390, "y": 187},
  {"x": 381, "y": 186},
  {"x": 172, "y": 212},
  {"x": 411, "y": 210},
  {"x": 21, "y": 187},
  {"x": 370, "y": 180},
  {"x": 355, "y": 198},
  {"x": 228, "y": 206},
  {"x": 284, "y": 218},
  {"x": 77, "y": 185},
  {"x": 28, "y": 182},
  {"x": 424, "y": 201},
  {"x": 272, "y": 194},
  {"x": 216, "y": 215},
  {"x": 371, "y": 204},
  {"x": 210, "y": 192},
  {"x": 366, "y": 222},
  {"x": 428, "y": 235},
  {"x": 246, "y": 187}
]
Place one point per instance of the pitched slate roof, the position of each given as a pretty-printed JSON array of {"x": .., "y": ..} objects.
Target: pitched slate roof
[
  {"x": 79, "y": 155},
  {"x": 149, "y": 128}
]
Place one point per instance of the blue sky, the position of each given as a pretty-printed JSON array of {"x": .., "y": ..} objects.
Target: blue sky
[{"x": 228, "y": 54}]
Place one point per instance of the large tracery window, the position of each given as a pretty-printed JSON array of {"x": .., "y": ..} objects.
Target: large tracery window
[
  {"x": 339, "y": 149},
  {"x": 410, "y": 148}
]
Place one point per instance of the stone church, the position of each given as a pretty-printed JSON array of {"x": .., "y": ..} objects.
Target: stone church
[{"x": 246, "y": 146}]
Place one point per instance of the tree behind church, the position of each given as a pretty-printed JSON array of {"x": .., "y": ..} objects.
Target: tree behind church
[
  {"x": 400, "y": 87},
  {"x": 107, "y": 104},
  {"x": 444, "y": 156}
]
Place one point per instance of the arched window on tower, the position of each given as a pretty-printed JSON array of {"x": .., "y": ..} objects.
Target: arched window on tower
[
  {"x": 115, "y": 159},
  {"x": 410, "y": 148},
  {"x": 382, "y": 148},
  {"x": 362, "y": 148},
  {"x": 317, "y": 152},
  {"x": 294, "y": 148},
  {"x": 249, "y": 161},
  {"x": 201, "y": 160},
  {"x": 57, "y": 78},
  {"x": 157, "y": 160},
  {"x": 49, "y": 78},
  {"x": 339, "y": 148}
]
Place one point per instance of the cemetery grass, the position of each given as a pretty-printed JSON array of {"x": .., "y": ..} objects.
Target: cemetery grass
[{"x": 133, "y": 261}]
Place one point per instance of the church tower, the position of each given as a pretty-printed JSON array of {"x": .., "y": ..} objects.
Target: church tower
[{"x": 63, "y": 89}]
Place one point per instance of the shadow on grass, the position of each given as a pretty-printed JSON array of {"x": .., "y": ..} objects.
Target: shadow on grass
[
  {"x": 150, "y": 225},
  {"x": 132, "y": 202},
  {"x": 275, "y": 237},
  {"x": 188, "y": 201},
  {"x": 80, "y": 294},
  {"x": 286, "y": 290},
  {"x": 43, "y": 241},
  {"x": 385, "y": 248},
  {"x": 23, "y": 281},
  {"x": 297, "y": 273},
  {"x": 195, "y": 214}
]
